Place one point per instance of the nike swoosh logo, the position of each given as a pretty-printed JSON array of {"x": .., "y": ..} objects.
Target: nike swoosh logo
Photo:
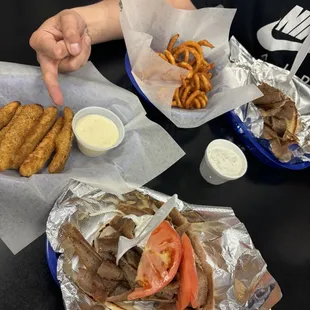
[{"x": 268, "y": 42}]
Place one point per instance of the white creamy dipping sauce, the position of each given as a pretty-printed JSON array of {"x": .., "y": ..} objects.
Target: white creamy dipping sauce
[
  {"x": 225, "y": 161},
  {"x": 97, "y": 130}
]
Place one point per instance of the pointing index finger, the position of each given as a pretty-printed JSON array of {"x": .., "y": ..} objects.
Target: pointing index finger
[{"x": 49, "y": 68}]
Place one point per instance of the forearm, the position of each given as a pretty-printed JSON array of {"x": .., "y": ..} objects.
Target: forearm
[{"x": 103, "y": 18}]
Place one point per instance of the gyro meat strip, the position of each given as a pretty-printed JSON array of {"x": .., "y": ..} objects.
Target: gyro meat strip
[
  {"x": 70, "y": 237},
  {"x": 107, "y": 243},
  {"x": 293, "y": 124},
  {"x": 268, "y": 133},
  {"x": 7, "y": 113},
  {"x": 269, "y": 112},
  {"x": 202, "y": 284},
  {"x": 279, "y": 126},
  {"x": 133, "y": 258},
  {"x": 169, "y": 292},
  {"x": 4, "y": 130},
  {"x": 120, "y": 293},
  {"x": 271, "y": 95},
  {"x": 281, "y": 149},
  {"x": 92, "y": 284},
  {"x": 183, "y": 229},
  {"x": 206, "y": 268},
  {"x": 63, "y": 144},
  {"x": 110, "y": 271},
  {"x": 288, "y": 111},
  {"x": 16, "y": 135},
  {"x": 128, "y": 228},
  {"x": 132, "y": 209},
  {"x": 37, "y": 159},
  {"x": 116, "y": 222},
  {"x": 130, "y": 273},
  {"x": 268, "y": 121},
  {"x": 272, "y": 105},
  {"x": 177, "y": 218},
  {"x": 36, "y": 135}
]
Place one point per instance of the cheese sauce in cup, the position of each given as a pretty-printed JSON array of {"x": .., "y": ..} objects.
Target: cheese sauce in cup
[{"x": 97, "y": 130}]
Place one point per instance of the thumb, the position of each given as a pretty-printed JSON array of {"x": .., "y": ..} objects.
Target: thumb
[{"x": 72, "y": 28}]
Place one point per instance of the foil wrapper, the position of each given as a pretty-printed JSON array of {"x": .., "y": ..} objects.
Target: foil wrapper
[
  {"x": 249, "y": 70},
  {"x": 241, "y": 279}
]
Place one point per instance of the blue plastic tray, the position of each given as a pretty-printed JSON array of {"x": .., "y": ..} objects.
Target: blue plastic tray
[
  {"x": 262, "y": 153},
  {"x": 52, "y": 258},
  {"x": 251, "y": 143},
  {"x": 133, "y": 81}
]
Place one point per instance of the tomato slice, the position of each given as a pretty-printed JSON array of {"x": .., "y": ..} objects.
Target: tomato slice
[
  {"x": 188, "y": 292},
  {"x": 159, "y": 262}
]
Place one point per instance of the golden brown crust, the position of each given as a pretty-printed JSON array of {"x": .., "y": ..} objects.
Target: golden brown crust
[
  {"x": 189, "y": 55},
  {"x": 5, "y": 129},
  {"x": 16, "y": 135},
  {"x": 7, "y": 113},
  {"x": 37, "y": 159},
  {"x": 63, "y": 144},
  {"x": 36, "y": 135}
]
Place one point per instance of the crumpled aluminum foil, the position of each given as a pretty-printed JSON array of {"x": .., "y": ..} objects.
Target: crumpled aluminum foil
[
  {"x": 249, "y": 70},
  {"x": 241, "y": 278}
]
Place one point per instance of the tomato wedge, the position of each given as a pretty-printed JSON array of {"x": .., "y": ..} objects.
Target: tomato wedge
[
  {"x": 188, "y": 292},
  {"x": 159, "y": 262}
]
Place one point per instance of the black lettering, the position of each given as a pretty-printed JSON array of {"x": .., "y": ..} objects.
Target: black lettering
[
  {"x": 306, "y": 79},
  {"x": 264, "y": 57}
]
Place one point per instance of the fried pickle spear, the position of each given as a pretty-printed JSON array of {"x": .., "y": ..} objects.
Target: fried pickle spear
[
  {"x": 36, "y": 135},
  {"x": 63, "y": 144},
  {"x": 4, "y": 130},
  {"x": 7, "y": 113},
  {"x": 17, "y": 134},
  {"x": 37, "y": 159}
]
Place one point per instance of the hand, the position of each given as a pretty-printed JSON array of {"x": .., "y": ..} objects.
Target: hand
[{"x": 62, "y": 44}]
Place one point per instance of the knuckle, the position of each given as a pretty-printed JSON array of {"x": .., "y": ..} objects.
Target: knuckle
[
  {"x": 33, "y": 40},
  {"x": 71, "y": 32},
  {"x": 74, "y": 65}
]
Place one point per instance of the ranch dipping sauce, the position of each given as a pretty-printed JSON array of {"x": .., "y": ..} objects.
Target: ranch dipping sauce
[
  {"x": 97, "y": 130},
  {"x": 225, "y": 161}
]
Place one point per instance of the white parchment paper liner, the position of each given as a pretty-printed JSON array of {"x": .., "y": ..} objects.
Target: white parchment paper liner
[
  {"x": 146, "y": 151},
  {"x": 240, "y": 274},
  {"x": 148, "y": 26}
]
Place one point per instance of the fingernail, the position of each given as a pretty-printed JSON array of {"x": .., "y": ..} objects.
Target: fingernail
[
  {"x": 75, "y": 48},
  {"x": 87, "y": 40}
]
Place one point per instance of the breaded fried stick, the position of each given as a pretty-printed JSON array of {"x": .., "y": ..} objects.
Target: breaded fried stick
[
  {"x": 7, "y": 113},
  {"x": 36, "y": 135},
  {"x": 17, "y": 134},
  {"x": 4, "y": 130},
  {"x": 63, "y": 144},
  {"x": 37, "y": 159}
]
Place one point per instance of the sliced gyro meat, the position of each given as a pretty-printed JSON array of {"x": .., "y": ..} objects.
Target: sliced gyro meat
[
  {"x": 92, "y": 284},
  {"x": 130, "y": 273},
  {"x": 70, "y": 236},
  {"x": 110, "y": 271},
  {"x": 128, "y": 228}
]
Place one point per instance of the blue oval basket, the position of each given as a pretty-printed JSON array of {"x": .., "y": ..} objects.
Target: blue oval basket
[
  {"x": 251, "y": 143},
  {"x": 51, "y": 257}
]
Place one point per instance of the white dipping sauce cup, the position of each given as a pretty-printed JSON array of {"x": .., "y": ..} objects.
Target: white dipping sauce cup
[
  {"x": 90, "y": 150},
  {"x": 211, "y": 174}
]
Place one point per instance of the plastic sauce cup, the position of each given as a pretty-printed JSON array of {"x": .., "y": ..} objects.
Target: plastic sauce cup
[
  {"x": 90, "y": 150},
  {"x": 210, "y": 172}
]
